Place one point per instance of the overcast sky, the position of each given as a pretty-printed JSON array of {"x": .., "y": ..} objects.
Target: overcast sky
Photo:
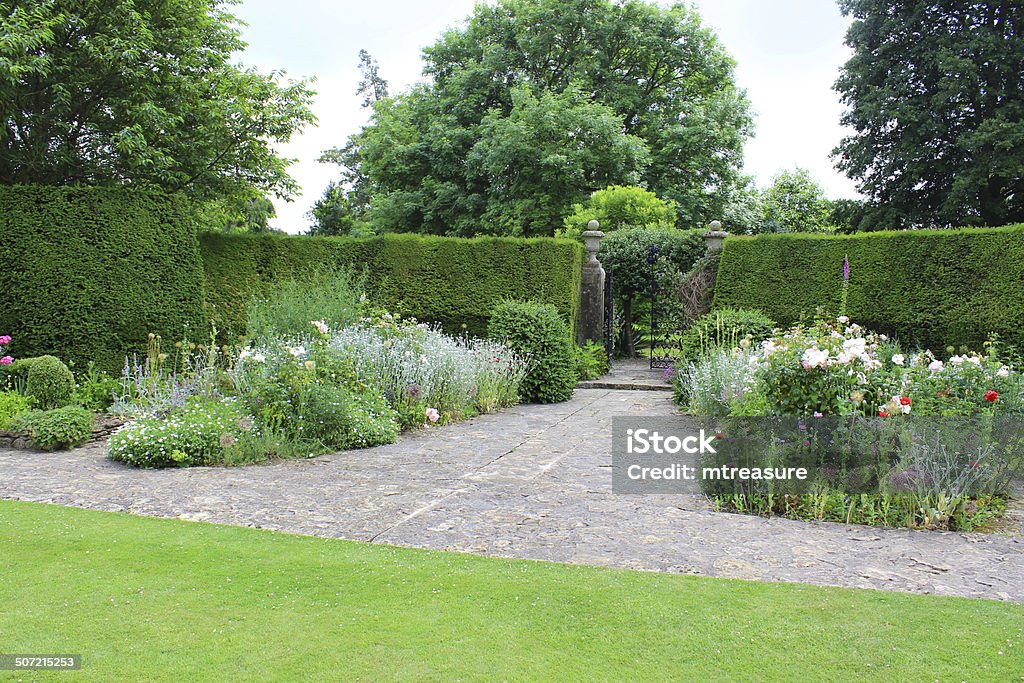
[{"x": 788, "y": 54}]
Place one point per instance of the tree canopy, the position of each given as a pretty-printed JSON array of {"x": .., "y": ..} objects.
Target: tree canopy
[
  {"x": 793, "y": 202},
  {"x": 534, "y": 104},
  {"x": 140, "y": 92},
  {"x": 618, "y": 207},
  {"x": 935, "y": 96}
]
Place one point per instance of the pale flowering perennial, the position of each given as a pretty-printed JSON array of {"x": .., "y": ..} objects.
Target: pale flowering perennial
[
  {"x": 842, "y": 369},
  {"x": 871, "y": 417},
  {"x": 309, "y": 393}
]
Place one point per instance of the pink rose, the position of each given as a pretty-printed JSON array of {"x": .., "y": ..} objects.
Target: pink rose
[
  {"x": 6, "y": 360},
  {"x": 433, "y": 415},
  {"x": 5, "y": 340}
]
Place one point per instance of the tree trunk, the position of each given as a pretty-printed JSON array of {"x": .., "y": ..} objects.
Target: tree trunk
[{"x": 992, "y": 204}]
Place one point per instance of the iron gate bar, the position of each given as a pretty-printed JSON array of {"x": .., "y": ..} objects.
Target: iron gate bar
[{"x": 656, "y": 362}]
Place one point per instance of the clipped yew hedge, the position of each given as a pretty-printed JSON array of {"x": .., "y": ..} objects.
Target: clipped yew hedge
[
  {"x": 451, "y": 281},
  {"x": 87, "y": 272},
  {"x": 934, "y": 288}
]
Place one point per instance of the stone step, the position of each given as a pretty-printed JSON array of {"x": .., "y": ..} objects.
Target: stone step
[{"x": 623, "y": 385}]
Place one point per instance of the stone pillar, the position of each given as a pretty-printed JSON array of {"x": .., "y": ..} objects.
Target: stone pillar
[
  {"x": 591, "y": 327},
  {"x": 715, "y": 236}
]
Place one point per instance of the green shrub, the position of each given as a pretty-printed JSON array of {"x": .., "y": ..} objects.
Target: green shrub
[
  {"x": 333, "y": 296},
  {"x": 536, "y": 331},
  {"x": 197, "y": 435},
  {"x": 51, "y": 430},
  {"x": 90, "y": 271},
  {"x": 14, "y": 376},
  {"x": 591, "y": 361},
  {"x": 49, "y": 382},
  {"x": 618, "y": 207},
  {"x": 930, "y": 288},
  {"x": 725, "y": 327},
  {"x": 340, "y": 418},
  {"x": 12, "y": 404},
  {"x": 95, "y": 389},
  {"x": 451, "y": 281}
]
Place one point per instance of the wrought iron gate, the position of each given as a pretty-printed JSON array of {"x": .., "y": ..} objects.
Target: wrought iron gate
[{"x": 663, "y": 352}]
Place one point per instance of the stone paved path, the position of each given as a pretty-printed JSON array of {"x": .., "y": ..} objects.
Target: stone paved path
[{"x": 531, "y": 482}]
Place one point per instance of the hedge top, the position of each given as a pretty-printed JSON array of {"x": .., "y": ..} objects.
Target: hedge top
[{"x": 935, "y": 288}]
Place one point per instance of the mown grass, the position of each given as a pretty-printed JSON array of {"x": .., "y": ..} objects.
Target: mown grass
[{"x": 164, "y": 600}]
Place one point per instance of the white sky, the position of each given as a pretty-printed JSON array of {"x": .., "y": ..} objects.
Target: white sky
[{"x": 788, "y": 54}]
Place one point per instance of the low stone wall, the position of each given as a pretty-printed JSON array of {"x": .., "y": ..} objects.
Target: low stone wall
[{"x": 102, "y": 427}]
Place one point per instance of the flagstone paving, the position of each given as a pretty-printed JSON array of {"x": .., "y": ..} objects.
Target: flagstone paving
[{"x": 530, "y": 482}]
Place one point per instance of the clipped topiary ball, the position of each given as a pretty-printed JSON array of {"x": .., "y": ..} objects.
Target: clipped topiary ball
[
  {"x": 536, "y": 331},
  {"x": 50, "y": 382}
]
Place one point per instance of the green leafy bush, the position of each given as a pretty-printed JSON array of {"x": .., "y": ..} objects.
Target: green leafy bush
[
  {"x": 93, "y": 270},
  {"x": 929, "y": 288},
  {"x": 55, "y": 429},
  {"x": 49, "y": 382},
  {"x": 535, "y": 331},
  {"x": 618, "y": 207},
  {"x": 96, "y": 389},
  {"x": 340, "y": 418},
  {"x": 591, "y": 361},
  {"x": 12, "y": 404},
  {"x": 13, "y": 376},
  {"x": 451, "y": 281},
  {"x": 329, "y": 295},
  {"x": 198, "y": 435},
  {"x": 725, "y": 327}
]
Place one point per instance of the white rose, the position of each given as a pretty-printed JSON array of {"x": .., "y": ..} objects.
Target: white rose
[
  {"x": 898, "y": 359},
  {"x": 956, "y": 360},
  {"x": 1003, "y": 372},
  {"x": 813, "y": 358},
  {"x": 935, "y": 366}
]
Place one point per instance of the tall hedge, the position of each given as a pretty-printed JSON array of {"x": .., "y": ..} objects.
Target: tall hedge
[
  {"x": 87, "y": 273},
  {"x": 452, "y": 281},
  {"x": 933, "y": 288}
]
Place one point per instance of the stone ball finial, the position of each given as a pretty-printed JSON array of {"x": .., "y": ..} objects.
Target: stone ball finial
[
  {"x": 715, "y": 236},
  {"x": 593, "y": 225}
]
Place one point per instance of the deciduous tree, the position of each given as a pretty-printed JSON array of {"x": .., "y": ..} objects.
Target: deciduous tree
[
  {"x": 140, "y": 92},
  {"x": 430, "y": 156},
  {"x": 935, "y": 96}
]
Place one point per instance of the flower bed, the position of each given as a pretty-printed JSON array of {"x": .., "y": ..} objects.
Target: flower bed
[
  {"x": 305, "y": 393},
  {"x": 899, "y": 438}
]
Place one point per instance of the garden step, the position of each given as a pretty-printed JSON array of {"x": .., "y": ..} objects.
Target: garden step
[{"x": 623, "y": 385}]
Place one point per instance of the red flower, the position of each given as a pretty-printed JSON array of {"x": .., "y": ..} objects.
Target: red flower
[
  {"x": 974, "y": 464},
  {"x": 882, "y": 413},
  {"x": 991, "y": 396},
  {"x": 719, "y": 435},
  {"x": 904, "y": 400}
]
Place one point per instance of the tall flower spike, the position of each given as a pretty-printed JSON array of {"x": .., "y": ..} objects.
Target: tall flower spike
[{"x": 846, "y": 268}]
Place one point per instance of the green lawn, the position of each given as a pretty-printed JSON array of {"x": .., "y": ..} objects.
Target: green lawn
[{"x": 154, "y": 600}]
